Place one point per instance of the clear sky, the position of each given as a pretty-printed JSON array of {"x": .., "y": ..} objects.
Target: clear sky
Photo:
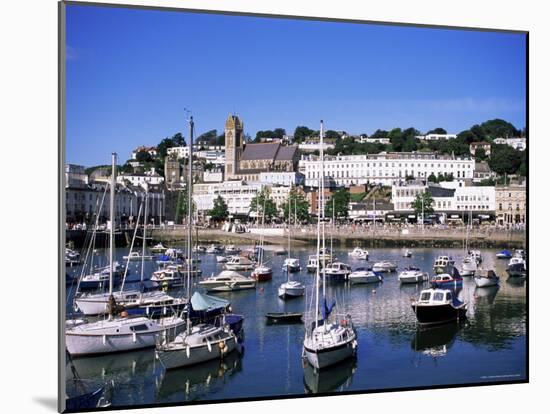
[{"x": 131, "y": 73}]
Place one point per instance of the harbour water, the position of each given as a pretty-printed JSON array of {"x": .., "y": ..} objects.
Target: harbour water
[{"x": 393, "y": 352}]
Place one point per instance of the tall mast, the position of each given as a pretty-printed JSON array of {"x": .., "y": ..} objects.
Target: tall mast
[
  {"x": 190, "y": 220},
  {"x": 144, "y": 240},
  {"x": 322, "y": 154},
  {"x": 112, "y": 228}
]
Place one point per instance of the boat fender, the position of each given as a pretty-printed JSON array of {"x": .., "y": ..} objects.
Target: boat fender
[
  {"x": 209, "y": 345},
  {"x": 104, "y": 339},
  {"x": 188, "y": 351},
  {"x": 134, "y": 337},
  {"x": 354, "y": 344}
]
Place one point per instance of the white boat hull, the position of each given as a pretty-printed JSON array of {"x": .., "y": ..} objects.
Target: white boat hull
[
  {"x": 357, "y": 280},
  {"x": 227, "y": 287},
  {"x": 323, "y": 358},
  {"x": 485, "y": 281},
  {"x": 291, "y": 292},
  {"x": 81, "y": 342},
  {"x": 196, "y": 354}
]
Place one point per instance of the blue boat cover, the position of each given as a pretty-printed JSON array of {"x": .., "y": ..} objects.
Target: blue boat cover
[
  {"x": 327, "y": 308},
  {"x": 202, "y": 302}
]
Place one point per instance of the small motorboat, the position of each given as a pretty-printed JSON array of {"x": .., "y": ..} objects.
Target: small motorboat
[
  {"x": 84, "y": 394},
  {"x": 337, "y": 272},
  {"x": 442, "y": 263},
  {"x": 384, "y": 266},
  {"x": 358, "y": 253},
  {"x": 516, "y": 267},
  {"x": 504, "y": 254},
  {"x": 158, "y": 248},
  {"x": 278, "y": 317},
  {"x": 135, "y": 256},
  {"x": 239, "y": 263},
  {"x": 363, "y": 275},
  {"x": 100, "y": 277},
  {"x": 214, "y": 249},
  {"x": 169, "y": 275},
  {"x": 486, "y": 278},
  {"x": 411, "y": 275},
  {"x": 312, "y": 263},
  {"x": 199, "y": 249},
  {"x": 325, "y": 254},
  {"x": 519, "y": 253},
  {"x": 291, "y": 289},
  {"x": 407, "y": 253},
  {"x": 262, "y": 273},
  {"x": 226, "y": 281},
  {"x": 231, "y": 249},
  {"x": 446, "y": 281},
  {"x": 221, "y": 259},
  {"x": 469, "y": 266},
  {"x": 437, "y": 306},
  {"x": 291, "y": 265}
]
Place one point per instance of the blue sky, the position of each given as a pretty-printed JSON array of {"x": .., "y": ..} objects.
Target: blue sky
[{"x": 131, "y": 73}]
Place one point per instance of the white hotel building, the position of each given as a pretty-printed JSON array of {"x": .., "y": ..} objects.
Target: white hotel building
[
  {"x": 236, "y": 194},
  {"x": 383, "y": 168}
]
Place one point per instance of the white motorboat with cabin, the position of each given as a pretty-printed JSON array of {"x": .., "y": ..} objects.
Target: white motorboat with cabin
[
  {"x": 291, "y": 289},
  {"x": 384, "y": 266},
  {"x": 486, "y": 278},
  {"x": 442, "y": 263},
  {"x": 226, "y": 281},
  {"x": 221, "y": 259},
  {"x": 411, "y": 275},
  {"x": 407, "y": 253},
  {"x": 358, "y": 253},
  {"x": 437, "y": 306},
  {"x": 214, "y": 249},
  {"x": 363, "y": 275},
  {"x": 291, "y": 265},
  {"x": 135, "y": 256},
  {"x": 337, "y": 272},
  {"x": 516, "y": 267},
  {"x": 239, "y": 263},
  {"x": 232, "y": 250}
]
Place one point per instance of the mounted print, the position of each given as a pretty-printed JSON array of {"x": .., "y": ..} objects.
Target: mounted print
[{"x": 257, "y": 207}]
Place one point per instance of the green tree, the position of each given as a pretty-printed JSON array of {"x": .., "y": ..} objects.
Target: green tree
[
  {"x": 279, "y": 132},
  {"x": 207, "y": 138},
  {"x": 301, "y": 133},
  {"x": 330, "y": 134},
  {"x": 498, "y": 128},
  {"x": 143, "y": 156},
  {"x": 505, "y": 159},
  {"x": 181, "y": 206},
  {"x": 440, "y": 131},
  {"x": 432, "y": 178},
  {"x": 380, "y": 133},
  {"x": 298, "y": 204},
  {"x": 263, "y": 204},
  {"x": 220, "y": 140},
  {"x": 480, "y": 154},
  {"x": 219, "y": 212},
  {"x": 423, "y": 202},
  {"x": 340, "y": 199}
]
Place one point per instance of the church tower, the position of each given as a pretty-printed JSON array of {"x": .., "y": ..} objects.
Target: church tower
[{"x": 233, "y": 145}]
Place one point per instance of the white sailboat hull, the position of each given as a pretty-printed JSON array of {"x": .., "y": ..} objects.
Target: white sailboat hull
[
  {"x": 291, "y": 291},
  {"x": 104, "y": 337},
  {"x": 196, "y": 354},
  {"x": 322, "y": 358}
]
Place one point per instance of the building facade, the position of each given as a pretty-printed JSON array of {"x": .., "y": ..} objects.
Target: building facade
[
  {"x": 236, "y": 194},
  {"x": 511, "y": 205},
  {"x": 383, "y": 168},
  {"x": 281, "y": 178}
]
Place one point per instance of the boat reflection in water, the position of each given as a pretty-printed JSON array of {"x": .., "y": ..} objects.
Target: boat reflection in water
[
  {"x": 487, "y": 294},
  {"x": 197, "y": 381},
  {"x": 335, "y": 378},
  {"x": 435, "y": 341}
]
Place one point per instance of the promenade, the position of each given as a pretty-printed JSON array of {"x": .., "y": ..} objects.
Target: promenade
[{"x": 352, "y": 235}]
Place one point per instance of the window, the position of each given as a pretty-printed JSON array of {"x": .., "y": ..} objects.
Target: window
[
  {"x": 438, "y": 296},
  {"x": 425, "y": 296}
]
